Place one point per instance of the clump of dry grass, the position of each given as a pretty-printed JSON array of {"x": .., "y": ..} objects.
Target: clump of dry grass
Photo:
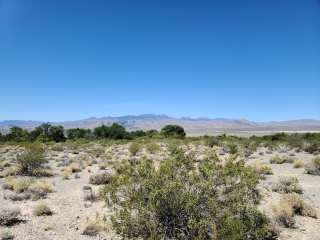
[
  {"x": 42, "y": 209},
  {"x": 297, "y": 163},
  {"x": 66, "y": 173},
  {"x": 35, "y": 189},
  {"x": 314, "y": 167},
  {"x": 96, "y": 225},
  {"x": 18, "y": 185},
  {"x": 75, "y": 167},
  {"x": 299, "y": 206},
  {"x": 280, "y": 160},
  {"x": 10, "y": 171},
  {"x": 100, "y": 179},
  {"x": 283, "y": 214},
  {"x": 152, "y": 147},
  {"x": 289, "y": 206},
  {"x": 103, "y": 165}
]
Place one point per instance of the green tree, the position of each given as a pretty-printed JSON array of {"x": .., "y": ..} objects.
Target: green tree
[
  {"x": 115, "y": 131},
  {"x": 76, "y": 133},
  {"x": 17, "y": 134},
  {"x": 46, "y": 132},
  {"x": 56, "y": 133},
  {"x": 175, "y": 131}
]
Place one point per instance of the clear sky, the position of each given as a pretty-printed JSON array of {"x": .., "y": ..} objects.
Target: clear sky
[{"x": 67, "y": 59}]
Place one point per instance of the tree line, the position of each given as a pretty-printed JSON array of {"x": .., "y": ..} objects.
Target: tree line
[{"x": 47, "y": 132}]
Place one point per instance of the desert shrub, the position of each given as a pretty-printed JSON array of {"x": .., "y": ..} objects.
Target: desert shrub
[
  {"x": 18, "y": 196},
  {"x": 100, "y": 179},
  {"x": 289, "y": 206},
  {"x": 262, "y": 169},
  {"x": 314, "y": 167},
  {"x": 297, "y": 163},
  {"x": 287, "y": 185},
  {"x": 180, "y": 201},
  {"x": 42, "y": 209},
  {"x": 40, "y": 189},
  {"x": 11, "y": 171},
  {"x": 103, "y": 165},
  {"x": 9, "y": 216},
  {"x": 299, "y": 206},
  {"x": 313, "y": 148},
  {"x": 152, "y": 147},
  {"x": 31, "y": 188},
  {"x": 134, "y": 148},
  {"x": 284, "y": 214},
  {"x": 88, "y": 194},
  {"x": 31, "y": 160},
  {"x": 211, "y": 141},
  {"x": 57, "y": 147},
  {"x": 276, "y": 159},
  {"x": 66, "y": 173},
  {"x": 6, "y": 235},
  {"x": 280, "y": 160},
  {"x": 75, "y": 167},
  {"x": 95, "y": 225},
  {"x": 18, "y": 185},
  {"x": 232, "y": 148}
]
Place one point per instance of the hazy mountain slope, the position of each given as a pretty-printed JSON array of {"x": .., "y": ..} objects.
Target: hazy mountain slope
[{"x": 192, "y": 125}]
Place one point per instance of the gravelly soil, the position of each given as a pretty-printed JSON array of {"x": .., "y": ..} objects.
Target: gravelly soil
[{"x": 71, "y": 211}]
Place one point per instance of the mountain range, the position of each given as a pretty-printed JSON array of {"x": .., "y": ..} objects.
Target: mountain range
[{"x": 193, "y": 126}]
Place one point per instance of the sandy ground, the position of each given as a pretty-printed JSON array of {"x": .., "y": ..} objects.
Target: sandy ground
[{"x": 71, "y": 211}]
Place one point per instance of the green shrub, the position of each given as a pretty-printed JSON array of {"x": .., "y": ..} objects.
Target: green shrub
[
  {"x": 134, "y": 148},
  {"x": 176, "y": 200},
  {"x": 31, "y": 160},
  {"x": 211, "y": 141}
]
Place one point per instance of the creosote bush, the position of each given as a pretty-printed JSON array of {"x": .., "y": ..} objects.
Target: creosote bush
[
  {"x": 176, "y": 200},
  {"x": 31, "y": 160}
]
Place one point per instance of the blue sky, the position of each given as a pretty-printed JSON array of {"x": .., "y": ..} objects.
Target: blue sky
[{"x": 67, "y": 60}]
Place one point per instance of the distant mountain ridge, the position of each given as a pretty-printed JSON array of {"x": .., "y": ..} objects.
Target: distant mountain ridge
[{"x": 192, "y": 125}]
